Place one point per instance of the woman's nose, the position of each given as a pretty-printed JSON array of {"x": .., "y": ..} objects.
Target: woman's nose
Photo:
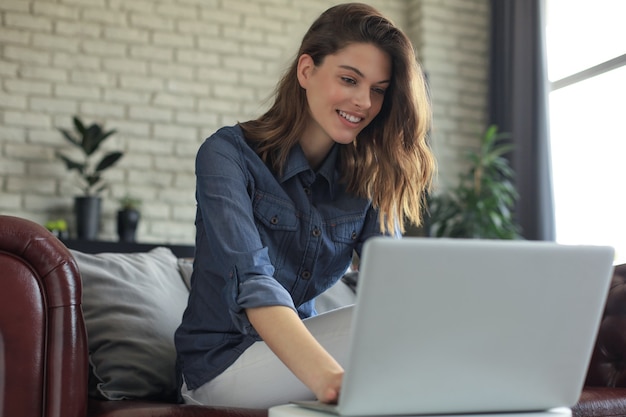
[{"x": 362, "y": 98}]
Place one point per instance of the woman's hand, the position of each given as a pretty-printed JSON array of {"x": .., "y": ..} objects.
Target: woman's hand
[
  {"x": 328, "y": 391},
  {"x": 285, "y": 334}
]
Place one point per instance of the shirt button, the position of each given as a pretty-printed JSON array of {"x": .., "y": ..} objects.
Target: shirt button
[
  {"x": 274, "y": 220},
  {"x": 316, "y": 232},
  {"x": 307, "y": 191},
  {"x": 353, "y": 236},
  {"x": 306, "y": 275}
]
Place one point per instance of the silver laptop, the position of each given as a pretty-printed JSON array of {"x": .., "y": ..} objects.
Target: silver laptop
[{"x": 445, "y": 326}]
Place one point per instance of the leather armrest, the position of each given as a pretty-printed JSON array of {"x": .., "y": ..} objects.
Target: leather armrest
[{"x": 45, "y": 342}]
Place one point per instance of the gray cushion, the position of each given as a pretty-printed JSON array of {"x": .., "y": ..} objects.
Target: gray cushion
[
  {"x": 337, "y": 296},
  {"x": 185, "y": 265},
  {"x": 132, "y": 305}
]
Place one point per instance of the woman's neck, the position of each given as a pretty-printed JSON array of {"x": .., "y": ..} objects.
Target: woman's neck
[{"x": 315, "y": 145}]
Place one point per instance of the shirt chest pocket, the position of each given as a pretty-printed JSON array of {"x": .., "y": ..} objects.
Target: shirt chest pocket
[
  {"x": 277, "y": 223},
  {"x": 344, "y": 235},
  {"x": 346, "y": 231},
  {"x": 275, "y": 214}
]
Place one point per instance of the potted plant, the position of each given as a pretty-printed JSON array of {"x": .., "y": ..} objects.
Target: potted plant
[
  {"x": 128, "y": 217},
  {"x": 58, "y": 228},
  {"x": 87, "y": 206},
  {"x": 482, "y": 204}
]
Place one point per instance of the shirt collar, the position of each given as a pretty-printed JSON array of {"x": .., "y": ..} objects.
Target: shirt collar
[
  {"x": 297, "y": 163},
  {"x": 329, "y": 166}
]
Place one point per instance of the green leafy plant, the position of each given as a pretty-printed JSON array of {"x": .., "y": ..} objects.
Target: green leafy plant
[
  {"x": 58, "y": 228},
  {"x": 88, "y": 139},
  {"x": 481, "y": 205},
  {"x": 59, "y": 225}
]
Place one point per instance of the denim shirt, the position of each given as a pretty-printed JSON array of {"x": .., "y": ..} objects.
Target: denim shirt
[{"x": 262, "y": 239}]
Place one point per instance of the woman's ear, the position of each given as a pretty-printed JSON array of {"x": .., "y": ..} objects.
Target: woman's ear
[{"x": 305, "y": 68}]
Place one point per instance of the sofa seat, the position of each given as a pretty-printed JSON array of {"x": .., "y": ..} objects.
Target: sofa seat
[
  {"x": 135, "y": 408},
  {"x": 601, "y": 402}
]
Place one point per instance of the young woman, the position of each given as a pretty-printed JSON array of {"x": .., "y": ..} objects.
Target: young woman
[{"x": 284, "y": 200}]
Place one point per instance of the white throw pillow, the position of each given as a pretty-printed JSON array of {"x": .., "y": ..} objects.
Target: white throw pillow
[{"x": 132, "y": 305}]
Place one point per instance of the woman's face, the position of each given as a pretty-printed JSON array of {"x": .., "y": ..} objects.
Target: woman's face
[{"x": 344, "y": 93}]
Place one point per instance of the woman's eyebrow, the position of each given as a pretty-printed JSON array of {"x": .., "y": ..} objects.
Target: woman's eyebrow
[{"x": 360, "y": 74}]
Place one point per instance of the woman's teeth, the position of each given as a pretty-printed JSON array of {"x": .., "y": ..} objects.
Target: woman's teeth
[{"x": 349, "y": 118}]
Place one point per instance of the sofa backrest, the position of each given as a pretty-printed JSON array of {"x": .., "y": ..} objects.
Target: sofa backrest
[
  {"x": 608, "y": 362},
  {"x": 44, "y": 369}
]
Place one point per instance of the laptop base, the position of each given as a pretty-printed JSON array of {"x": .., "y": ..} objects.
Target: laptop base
[{"x": 293, "y": 410}]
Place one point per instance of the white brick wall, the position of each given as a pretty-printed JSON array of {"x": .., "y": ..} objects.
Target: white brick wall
[
  {"x": 454, "y": 48},
  {"x": 167, "y": 73}
]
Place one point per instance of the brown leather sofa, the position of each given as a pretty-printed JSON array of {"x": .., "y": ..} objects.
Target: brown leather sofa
[
  {"x": 604, "y": 393},
  {"x": 43, "y": 341}
]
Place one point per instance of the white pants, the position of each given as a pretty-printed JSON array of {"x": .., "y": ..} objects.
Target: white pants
[{"x": 258, "y": 379}]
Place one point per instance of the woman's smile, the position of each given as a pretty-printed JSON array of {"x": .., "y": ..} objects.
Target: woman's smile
[{"x": 350, "y": 118}]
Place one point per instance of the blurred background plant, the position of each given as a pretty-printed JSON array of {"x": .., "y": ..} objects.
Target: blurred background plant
[
  {"x": 482, "y": 204},
  {"x": 87, "y": 207},
  {"x": 88, "y": 141},
  {"x": 58, "y": 227},
  {"x": 129, "y": 203},
  {"x": 128, "y": 217}
]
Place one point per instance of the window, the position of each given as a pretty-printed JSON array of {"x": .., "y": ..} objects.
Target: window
[{"x": 586, "y": 52}]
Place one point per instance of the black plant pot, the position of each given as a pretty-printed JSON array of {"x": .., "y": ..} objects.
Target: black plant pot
[
  {"x": 127, "y": 221},
  {"x": 87, "y": 211}
]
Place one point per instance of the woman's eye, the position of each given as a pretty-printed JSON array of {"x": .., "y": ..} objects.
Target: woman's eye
[
  {"x": 380, "y": 91},
  {"x": 348, "y": 80}
]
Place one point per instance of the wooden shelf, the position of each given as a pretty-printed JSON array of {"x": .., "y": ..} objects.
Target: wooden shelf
[{"x": 99, "y": 246}]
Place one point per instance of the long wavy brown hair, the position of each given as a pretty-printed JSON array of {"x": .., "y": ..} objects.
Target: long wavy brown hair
[{"x": 390, "y": 161}]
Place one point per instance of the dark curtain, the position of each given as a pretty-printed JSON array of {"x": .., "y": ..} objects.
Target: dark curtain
[{"x": 518, "y": 94}]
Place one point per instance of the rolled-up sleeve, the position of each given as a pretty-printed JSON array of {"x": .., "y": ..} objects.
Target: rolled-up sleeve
[
  {"x": 252, "y": 285},
  {"x": 240, "y": 259}
]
